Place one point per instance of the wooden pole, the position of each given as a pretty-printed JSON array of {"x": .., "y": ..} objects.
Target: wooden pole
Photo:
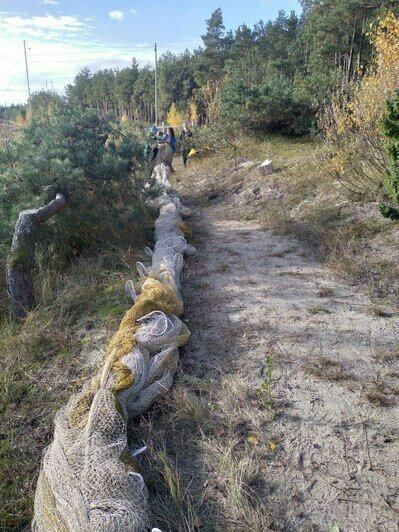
[
  {"x": 156, "y": 85},
  {"x": 27, "y": 79},
  {"x": 21, "y": 258}
]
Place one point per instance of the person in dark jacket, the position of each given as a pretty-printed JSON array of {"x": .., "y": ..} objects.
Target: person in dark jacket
[
  {"x": 150, "y": 143},
  {"x": 186, "y": 137},
  {"x": 171, "y": 140}
]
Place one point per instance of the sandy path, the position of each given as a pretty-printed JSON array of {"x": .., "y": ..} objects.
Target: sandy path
[{"x": 251, "y": 295}]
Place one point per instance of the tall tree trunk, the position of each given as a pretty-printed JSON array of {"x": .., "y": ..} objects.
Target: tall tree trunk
[
  {"x": 359, "y": 55},
  {"x": 350, "y": 61},
  {"x": 21, "y": 258}
]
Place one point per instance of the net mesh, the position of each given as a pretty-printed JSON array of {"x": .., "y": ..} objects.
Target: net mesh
[{"x": 89, "y": 480}]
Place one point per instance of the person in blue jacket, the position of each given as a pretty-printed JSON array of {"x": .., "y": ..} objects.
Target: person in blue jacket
[{"x": 171, "y": 138}]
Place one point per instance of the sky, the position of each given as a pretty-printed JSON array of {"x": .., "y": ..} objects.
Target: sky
[{"x": 63, "y": 36}]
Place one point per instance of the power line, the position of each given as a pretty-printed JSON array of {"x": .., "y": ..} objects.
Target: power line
[
  {"x": 89, "y": 52},
  {"x": 83, "y": 54},
  {"x": 83, "y": 60},
  {"x": 89, "y": 59},
  {"x": 100, "y": 56}
]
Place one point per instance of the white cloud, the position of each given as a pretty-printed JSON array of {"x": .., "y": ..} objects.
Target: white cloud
[
  {"x": 133, "y": 11},
  {"x": 46, "y": 27},
  {"x": 116, "y": 15},
  {"x": 58, "y": 47},
  {"x": 55, "y": 63},
  {"x": 49, "y": 2}
]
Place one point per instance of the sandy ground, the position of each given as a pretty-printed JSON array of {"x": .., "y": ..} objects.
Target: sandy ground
[{"x": 253, "y": 296}]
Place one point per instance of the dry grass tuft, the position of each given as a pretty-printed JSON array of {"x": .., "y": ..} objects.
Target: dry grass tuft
[
  {"x": 378, "y": 394},
  {"x": 379, "y": 312},
  {"x": 384, "y": 357},
  {"x": 325, "y": 292},
  {"x": 200, "y": 468},
  {"x": 328, "y": 369},
  {"x": 231, "y": 473},
  {"x": 317, "y": 310}
]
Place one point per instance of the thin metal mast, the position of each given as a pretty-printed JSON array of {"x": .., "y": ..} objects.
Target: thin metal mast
[
  {"x": 156, "y": 85},
  {"x": 27, "y": 79}
]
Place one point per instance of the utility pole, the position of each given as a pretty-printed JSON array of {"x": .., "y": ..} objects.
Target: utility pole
[
  {"x": 27, "y": 79},
  {"x": 156, "y": 85}
]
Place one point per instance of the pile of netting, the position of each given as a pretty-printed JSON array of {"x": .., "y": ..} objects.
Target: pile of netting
[
  {"x": 161, "y": 174},
  {"x": 89, "y": 480}
]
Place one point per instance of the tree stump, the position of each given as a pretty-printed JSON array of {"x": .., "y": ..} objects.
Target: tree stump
[{"x": 21, "y": 258}]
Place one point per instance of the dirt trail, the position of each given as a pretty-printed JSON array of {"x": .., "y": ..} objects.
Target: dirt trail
[{"x": 256, "y": 300}]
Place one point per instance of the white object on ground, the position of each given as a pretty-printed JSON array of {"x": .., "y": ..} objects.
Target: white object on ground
[{"x": 266, "y": 167}]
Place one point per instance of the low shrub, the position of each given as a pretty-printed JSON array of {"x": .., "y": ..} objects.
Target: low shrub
[{"x": 78, "y": 154}]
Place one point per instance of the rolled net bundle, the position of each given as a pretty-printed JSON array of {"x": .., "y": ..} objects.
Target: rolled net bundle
[
  {"x": 166, "y": 224},
  {"x": 161, "y": 174},
  {"x": 163, "y": 163},
  {"x": 164, "y": 360},
  {"x": 164, "y": 154},
  {"x": 171, "y": 266},
  {"x": 158, "y": 330},
  {"x": 150, "y": 394},
  {"x": 88, "y": 479},
  {"x": 159, "y": 335},
  {"x": 156, "y": 379},
  {"x": 165, "y": 262},
  {"x": 169, "y": 250}
]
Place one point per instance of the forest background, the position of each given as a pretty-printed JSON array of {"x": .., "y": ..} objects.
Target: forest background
[{"x": 275, "y": 76}]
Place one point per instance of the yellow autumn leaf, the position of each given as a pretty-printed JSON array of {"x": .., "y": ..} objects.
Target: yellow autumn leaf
[
  {"x": 272, "y": 446},
  {"x": 252, "y": 439}
]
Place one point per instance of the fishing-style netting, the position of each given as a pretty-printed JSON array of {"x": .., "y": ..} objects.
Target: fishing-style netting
[{"x": 89, "y": 480}]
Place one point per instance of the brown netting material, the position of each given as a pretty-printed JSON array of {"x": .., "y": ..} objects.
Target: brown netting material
[{"x": 88, "y": 479}]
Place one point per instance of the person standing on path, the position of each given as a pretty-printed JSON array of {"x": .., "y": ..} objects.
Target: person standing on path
[
  {"x": 185, "y": 137},
  {"x": 150, "y": 143},
  {"x": 171, "y": 140}
]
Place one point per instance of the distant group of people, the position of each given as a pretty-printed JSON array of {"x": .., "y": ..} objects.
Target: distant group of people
[{"x": 160, "y": 137}]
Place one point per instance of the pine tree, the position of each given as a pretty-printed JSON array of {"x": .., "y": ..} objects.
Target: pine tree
[
  {"x": 64, "y": 152},
  {"x": 390, "y": 128},
  {"x": 213, "y": 57}
]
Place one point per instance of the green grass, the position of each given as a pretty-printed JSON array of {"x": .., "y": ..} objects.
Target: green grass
[
  {"x": 265, "y": 390},
  {"x": 317, "y": 310}
]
